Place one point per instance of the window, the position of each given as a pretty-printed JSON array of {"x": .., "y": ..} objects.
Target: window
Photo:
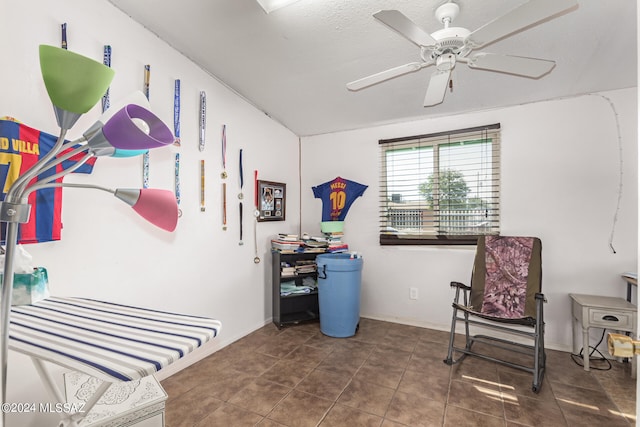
[{"x": 442, "y": 188}]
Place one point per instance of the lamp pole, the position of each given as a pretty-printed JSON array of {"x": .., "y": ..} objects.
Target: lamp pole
[
  {"x": 12, "y": 214},
  {"x": 7, "y": 287},
  {"x": 15, "y": 210}
]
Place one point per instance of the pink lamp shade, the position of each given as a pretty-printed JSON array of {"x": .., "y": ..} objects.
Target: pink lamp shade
[{"x": 157, "y": 206}]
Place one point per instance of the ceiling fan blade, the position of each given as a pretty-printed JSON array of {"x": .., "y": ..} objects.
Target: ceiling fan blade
[
  {"x": 437, "y": 87},
  {"x": 521, "y": 17},
  {"x": 519, "y": 65},
  {"x": 406, "y": 27},
  {"x": 386, "y": 75}
]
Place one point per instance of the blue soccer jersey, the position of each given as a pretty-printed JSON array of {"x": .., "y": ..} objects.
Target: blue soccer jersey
[{"x": 337, "y": 197}]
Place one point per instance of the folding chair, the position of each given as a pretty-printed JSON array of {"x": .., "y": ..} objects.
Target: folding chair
[{"x": 504, "y": 296}]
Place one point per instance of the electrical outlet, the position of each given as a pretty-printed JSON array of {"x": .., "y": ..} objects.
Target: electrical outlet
[{"x": 413, "y": 293}]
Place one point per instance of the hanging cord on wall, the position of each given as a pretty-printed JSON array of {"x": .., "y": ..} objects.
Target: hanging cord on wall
[
  {"x": 579, "y": 360},
  {"x": 300, "y": 186},
  {"x": 615, "y": 216}
]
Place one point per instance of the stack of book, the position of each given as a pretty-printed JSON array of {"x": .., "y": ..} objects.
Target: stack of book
[
  {"x": 335, "y": 243},
  {"x": 287, "y": 243},
  {"x": 287, "y": 269},
  {"x": 314, "y": 244},
  {"x": 288, "y": 237},
  {"x": 306, "y": 266}
]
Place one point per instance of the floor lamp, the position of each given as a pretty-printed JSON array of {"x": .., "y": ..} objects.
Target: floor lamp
[{"x": 75, "y": 84}]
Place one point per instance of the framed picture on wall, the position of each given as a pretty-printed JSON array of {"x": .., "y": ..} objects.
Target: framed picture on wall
[{"x": 271, "y": 200}]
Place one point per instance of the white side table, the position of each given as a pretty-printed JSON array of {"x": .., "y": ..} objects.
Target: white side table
[
  {"x": 596, "y": 311},
  {"x": 138, "y": 403}
]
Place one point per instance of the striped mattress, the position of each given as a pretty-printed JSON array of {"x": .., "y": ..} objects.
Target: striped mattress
[{"x": 109, "y": 341}]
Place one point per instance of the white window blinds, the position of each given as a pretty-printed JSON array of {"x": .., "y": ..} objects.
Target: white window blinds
[{"x": 441, "y": 188}]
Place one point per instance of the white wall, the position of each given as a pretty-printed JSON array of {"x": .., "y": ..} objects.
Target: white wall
[
  {"x": 561, "y": 170},
  {"x": 638, "y": 128},
  {"x": 107, "y": 251}
]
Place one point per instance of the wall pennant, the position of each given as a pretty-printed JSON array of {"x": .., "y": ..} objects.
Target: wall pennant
[
  {"x": 176, "y": 113},
  {"x": 203, "y": 120},
  {"x": 145, "y": 156}
]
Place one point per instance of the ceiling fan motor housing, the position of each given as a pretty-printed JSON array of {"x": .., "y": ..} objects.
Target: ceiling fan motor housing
[
  {"x": 451, "y": 37},
  {"x": 448, "y": 40}
]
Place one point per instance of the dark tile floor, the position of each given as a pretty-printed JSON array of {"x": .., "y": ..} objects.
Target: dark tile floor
[{"x": 386, "y": 375}]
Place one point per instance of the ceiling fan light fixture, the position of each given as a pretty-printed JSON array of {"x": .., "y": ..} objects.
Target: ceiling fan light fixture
[
  {"x": 446, "y": 62},
  {"x": 271, "y": 5}
]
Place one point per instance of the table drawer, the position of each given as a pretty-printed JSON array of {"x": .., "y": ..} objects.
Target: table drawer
[{"x": 612, "y": 319}]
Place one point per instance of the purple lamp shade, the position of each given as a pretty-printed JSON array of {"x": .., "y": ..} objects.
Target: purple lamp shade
[
  {"x": 157, "y": 206},
  {"x": 122, "y": 132}
]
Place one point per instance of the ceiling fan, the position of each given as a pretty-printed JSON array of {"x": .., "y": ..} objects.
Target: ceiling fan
[{"x": 449, "y": 45}]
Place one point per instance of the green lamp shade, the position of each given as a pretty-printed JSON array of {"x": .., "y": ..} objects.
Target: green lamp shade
[{"x": 74, "y": 82}]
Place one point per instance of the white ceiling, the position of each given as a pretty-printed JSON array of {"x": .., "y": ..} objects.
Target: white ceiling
[{"x": 294, "y": 63}]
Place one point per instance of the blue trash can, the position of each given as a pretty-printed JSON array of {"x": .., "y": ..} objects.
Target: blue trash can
[{"x": 339, "y": 282}]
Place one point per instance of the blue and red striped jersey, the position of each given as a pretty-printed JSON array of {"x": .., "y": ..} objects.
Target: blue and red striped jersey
[{"x": 20, "y": 148}]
